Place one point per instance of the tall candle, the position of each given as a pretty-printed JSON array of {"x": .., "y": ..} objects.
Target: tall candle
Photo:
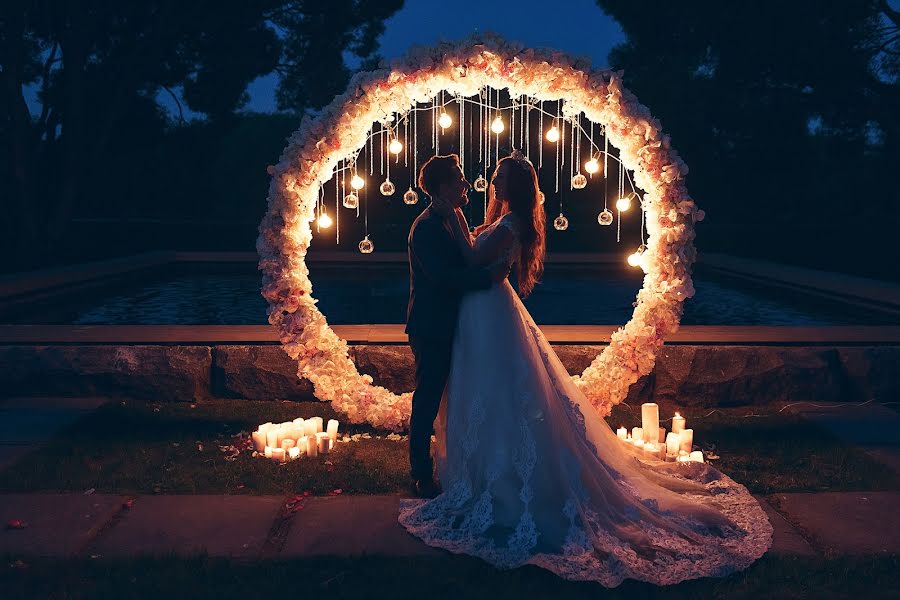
[
  {"x": 259, "y": 440},
  {"x": 332, "y": 429},
  {"x": 299, "y": 424},
  {"x": 288, "y": 443},
  {"x": 318, "y": 424},
  {"x": 622, "y": 432},
  {"x": 309, "y": 427},
  {"x": 268, "y": 451},
  {"x": 677, "y": 423},
  {"x": 272, "y": 438},
  {"x": 323, "y": 442},
  {"x": 687, "y": 440},
  {"x": 650, "y": 421},
  {"x": 312, "y": 449},
  {"x": 673, "y": 443},
  {"x": 637, "y": 434}
]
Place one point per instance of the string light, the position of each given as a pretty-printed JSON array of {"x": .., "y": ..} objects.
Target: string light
[
  {"x": 387, "y": 188},
  {"x": 445, "y": 120},
  {"x": 351, "y": 200},
  {"x": 579, "y": 181},
  {"x": 553, "y": 134},
  {"x": 480, "y": 184},
  {"x": 324, "y": 221},
  {"x": 605, "y": 217},
  {"x": 366, "y": 246},
  {"x": 410, "y": 196},
  {"x": 560, "y": 223},
  {"x": 624, "y": 203},
  {"x": 357, "y": 182},
  {"x": 592, "y": 166},
  {"x": 395, "y": 146},
  {"x": 497, "y": 125},
  {"x": 638, "y": 257}
]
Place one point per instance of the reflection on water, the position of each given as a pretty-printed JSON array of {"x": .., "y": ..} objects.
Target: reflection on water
[{"x": 347, "y": 294}]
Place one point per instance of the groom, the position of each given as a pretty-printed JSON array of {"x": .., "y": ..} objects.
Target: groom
[{"x": 438, "y": 279}]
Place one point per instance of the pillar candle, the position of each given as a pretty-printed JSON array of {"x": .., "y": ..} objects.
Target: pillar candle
[
  {"x": 265, "y": 427},
  {"x": 332, "y": 429},
  {"x": 622, "y": 432},
  {"x": 650, "y": 421},
  {"x": 267, "y": 451},
  {"x": 318, "y": 423},
  {"x": 279, "y": 454},
  {"x": 299, "y": 424},
  {"x": 272, "y": 438},
  {"x": 651, "y": 449},
  {"x": 302, "y": 444},
  {"x": 322, "y": 442},
  {"x": 687, "y": 440},
  {"x": 684, "y": 459},
  {"x": 294, "y": 453},
  {"x": 259, "y": 440},
  {"x": 288, "y": 443},
  {"x": 673, "y": 443},
  {"x": 677, "y": 423},
  {"x": 637, "y": 434},
  {"x": 671, "y": 456},
  {"x": 309, "y": 427},
  {"x": 639, "y": 444},
  {"x": 696, "y": 456},
  {"x": 311, "y": 448},
  {"x": 662, "y": 436}
]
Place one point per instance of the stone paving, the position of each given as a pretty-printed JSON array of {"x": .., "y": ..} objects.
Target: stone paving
[{"x": 248, "y": 527}]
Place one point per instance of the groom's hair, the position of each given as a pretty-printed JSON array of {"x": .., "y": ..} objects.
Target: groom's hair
[{"x": 437, "y": 169}]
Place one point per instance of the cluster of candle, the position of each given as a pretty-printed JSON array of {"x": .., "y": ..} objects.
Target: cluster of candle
[
  {"x": 676, "y": 445},
  {"x": 292, "y": 439}
]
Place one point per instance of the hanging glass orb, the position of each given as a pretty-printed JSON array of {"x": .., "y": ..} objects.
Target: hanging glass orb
[
  {"x": 623, "y": 204},
  {"x": 560, "y": 223},
  {"x": 387, "y": 188},
  {"x": 351, "y": 200},
  {"x": 324, "y": 221},
  {"x": 579, "y": 181},
  {"x": 395, "y": 146},
  {"x": 480, "y": 184},
  {"x": 410, "y": 196},
  {"x": 357, "y": 182},
  {"x": 445, "y": 120},
  {"x": 541, "y": 197},
  {"x": 592, "y": 166},
  {"x": 637, "y": 258},
  {"x": 605, "y": 217},
  {"x": 497, "y": 125},
  {"x": 366, "y": 246},
  {"x": 553, "y": 134}
]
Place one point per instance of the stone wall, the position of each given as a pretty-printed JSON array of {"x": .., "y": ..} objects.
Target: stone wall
[{"x": 699, "y": 376}]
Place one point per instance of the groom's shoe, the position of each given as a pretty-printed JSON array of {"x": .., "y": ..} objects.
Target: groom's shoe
[{"x": 427, "y": 488}]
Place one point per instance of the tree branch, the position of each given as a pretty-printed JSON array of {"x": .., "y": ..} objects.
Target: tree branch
[
  {"x": 45, "y": 85},
  {"x": 177, "y": 103}
]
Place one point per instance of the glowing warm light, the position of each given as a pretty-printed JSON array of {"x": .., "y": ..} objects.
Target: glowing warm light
[
  {"x": 634, "y": 259},
  {"x": 445, "y": 120},
  {"x": 395, "y": 146},
  {"x": 356, "y": 182},
  {"x": 324, "y": 221},
  {"x": 497, "y": 125},
  {"x": 623, "y": 204},
  {"x": 579, "y": 181},
  {"x": 592, "y": 166},
  {"x": 553, "y": 134}
]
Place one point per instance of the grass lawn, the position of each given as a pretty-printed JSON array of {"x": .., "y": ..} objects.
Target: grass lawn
[
  {"x": 452, "y": 577},
  {"x": 141, "y": 448}
]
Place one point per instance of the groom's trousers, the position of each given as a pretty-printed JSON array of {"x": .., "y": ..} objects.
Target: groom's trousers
[{"x": 432, "y": 369}]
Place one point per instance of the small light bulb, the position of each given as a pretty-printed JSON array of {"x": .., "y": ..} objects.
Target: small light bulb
[
  {"x": 395, "y": 146},
  {"x": 623, "y": 204},
  {"x": 324, "y": 221},
  {"x": 497, "y": 126},
  {"x": 553, "y": 134},
  {"x": 356, "y": 182},
  {"x": 634, "y": 259},
  {"x": 592, "y": 166},
  {"x": 445, "y": 120}
]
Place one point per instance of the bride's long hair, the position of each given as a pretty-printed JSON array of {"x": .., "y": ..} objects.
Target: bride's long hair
[{"x": 522, "y": 200}]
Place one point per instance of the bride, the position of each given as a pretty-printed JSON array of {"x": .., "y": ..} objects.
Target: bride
[{"x": 530, "y": 473}]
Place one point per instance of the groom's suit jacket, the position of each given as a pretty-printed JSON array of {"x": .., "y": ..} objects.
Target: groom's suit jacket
[{"x": 438, "y": 278}]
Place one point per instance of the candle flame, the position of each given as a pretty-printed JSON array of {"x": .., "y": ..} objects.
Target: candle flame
[{"x": 677, "y": 415}]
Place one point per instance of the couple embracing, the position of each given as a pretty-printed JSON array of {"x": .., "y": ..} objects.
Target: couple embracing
[{"x": 527, "y": 471}]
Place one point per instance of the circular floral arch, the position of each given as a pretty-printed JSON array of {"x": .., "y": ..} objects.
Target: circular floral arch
[{"x": 463, "y": 68}]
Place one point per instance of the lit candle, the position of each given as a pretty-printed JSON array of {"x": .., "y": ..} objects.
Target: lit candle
[
  {"x": 677, "y": 423},
  {"x": 332, "y": 429},
  {"x": 622, "y": 433},
  {"x": 288, "y": 443},
  {"x": 651, "y": 449},
  {"x": 662, "y": 436},
  {"x": 298, "y": 424},
  {"x": 637, "y": 434},
  {"x": 302, "y": 444},
  {"x": 322, "y": 442},
  {"x": 671, "y": 456},
  {"x": 272, "y": 438},
  {"x": 259, "y": 440},
  {"x": 684, "y": 459},
  {"x": 265, "y": 427},
  {"x": 687, "y": 440},
  {"x": 318, "y": 423},
  {"x": 309, "y": 427},
  {"x": 294, "y": 453},
  {"x": 268, "y": 451},
  {"x": 696, "y": 456},
  {"x": 279, "y": 454},
  {"x": 311, "y": 448},
  {"x": 650, "y": 421},
  {"x": 673, "y": 443},
  {"x": 639, "y": 444}
]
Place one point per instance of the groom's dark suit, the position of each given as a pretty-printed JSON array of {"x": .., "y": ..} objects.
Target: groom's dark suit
[{"x": 438, "y": 278}]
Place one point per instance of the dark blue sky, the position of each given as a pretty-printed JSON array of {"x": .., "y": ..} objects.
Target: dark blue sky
[{"x": 581, "y": 28}]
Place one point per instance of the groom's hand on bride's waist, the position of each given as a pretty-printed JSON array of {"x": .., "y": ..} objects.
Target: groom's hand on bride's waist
[{"x": 499, "y": 271}]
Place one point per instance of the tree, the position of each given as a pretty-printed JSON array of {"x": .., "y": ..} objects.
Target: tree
[{"x": 99, "y": 67}]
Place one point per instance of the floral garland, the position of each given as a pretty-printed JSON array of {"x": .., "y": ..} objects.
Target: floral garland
[{"x": 315, "y": 149}]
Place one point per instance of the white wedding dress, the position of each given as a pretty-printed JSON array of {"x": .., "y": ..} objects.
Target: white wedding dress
[{"x": 531, "y": 474}]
